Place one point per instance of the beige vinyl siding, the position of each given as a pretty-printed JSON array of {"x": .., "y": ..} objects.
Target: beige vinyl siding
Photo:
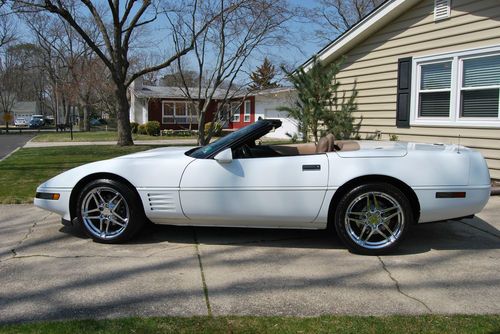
[{"x": 373, "y": 65}]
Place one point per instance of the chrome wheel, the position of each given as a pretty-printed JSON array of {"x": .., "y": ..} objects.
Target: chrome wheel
[
  {"x": 374, "y": 220},
  {"x": 105, "y": 212}
]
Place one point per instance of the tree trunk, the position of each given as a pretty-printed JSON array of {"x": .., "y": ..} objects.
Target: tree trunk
[
  {"x": 80, "y": 118},
  {"x": 86, "y": 123},
  {"x": 201, "y": 129},
  {"x": 123, "y": 117}
]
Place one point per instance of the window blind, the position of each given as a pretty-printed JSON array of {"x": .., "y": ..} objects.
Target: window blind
[
  {"x": 480, "y": 103},
  {"x": 483, "y": 71},
  {"x": 435, "y": 76},
  {"x": 435, "y": 104}
]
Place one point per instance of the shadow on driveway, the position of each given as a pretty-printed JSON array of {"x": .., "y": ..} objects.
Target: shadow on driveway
[{"x": 465, "y": 234}]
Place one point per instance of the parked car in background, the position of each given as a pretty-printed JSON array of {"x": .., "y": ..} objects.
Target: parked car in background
[
  {"x": 369, "y": 192},
  {"x": 97, "y": 122},
  {"x": 40, "y": 118},
  {"x": 36, "y": 123},
  {"x": 20, "y": 122}
]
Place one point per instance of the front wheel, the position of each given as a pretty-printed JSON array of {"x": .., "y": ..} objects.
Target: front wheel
[
  {"x": 109, "y": 211},
  {"x": 372, "y": 219}
]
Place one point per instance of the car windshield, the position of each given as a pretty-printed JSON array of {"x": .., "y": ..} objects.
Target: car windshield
[{"x": 225, "y": 141}]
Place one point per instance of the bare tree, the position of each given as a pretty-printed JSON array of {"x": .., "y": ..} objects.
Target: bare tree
[
  {"x": 222, "y": 51},
  {"x": 7, "y": 27},
  {"x": 333, "y": 17},
  {"x": 63, "y": 55},
  {"x": 118, "y": 22},
  {"x": 13, "y": 78}
]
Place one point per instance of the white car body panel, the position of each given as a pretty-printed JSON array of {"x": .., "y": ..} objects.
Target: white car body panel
[
  {"x": 257, "y": 191},
  {"x": 275, "y": 192}
]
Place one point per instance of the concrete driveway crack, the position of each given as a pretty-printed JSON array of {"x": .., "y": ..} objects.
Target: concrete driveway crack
[
  {"x": 28, "y": 234},
  {"x": 203, "y": 281},
  {"x": 399, "y": 288}
]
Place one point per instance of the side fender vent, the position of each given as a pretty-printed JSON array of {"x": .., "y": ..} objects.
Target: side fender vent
[{"x": 162, "y": 202}]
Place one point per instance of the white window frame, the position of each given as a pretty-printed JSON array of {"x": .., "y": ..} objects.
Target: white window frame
[
  {"x": 235, "y": 110},
  {"x": 454, "y": 119},
  {"x": 175, "y": 116},
  {"x": 247, "y": 111}
]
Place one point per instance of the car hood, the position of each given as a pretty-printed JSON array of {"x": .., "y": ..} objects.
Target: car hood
[
  {"x": 158, "y": 153},
  {"x": 161, "y": 167}
]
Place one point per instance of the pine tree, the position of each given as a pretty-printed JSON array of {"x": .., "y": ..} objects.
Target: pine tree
[
  {"x": 262, "y": 77},
  {"x": 318, "y": 101}
]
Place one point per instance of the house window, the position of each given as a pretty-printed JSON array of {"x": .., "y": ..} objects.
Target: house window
[
  {"x": 168, "y": 113},
  {"x": 435, "y": 90},
  {"x": 480, "y": 89},
  {"x": 235, "y": 110},
  {"x": 178, "y": 112},
  {"x": 229, "y": 111},
  {"x": 457, "y": 89},
  {"x": 247, "y": 112}
]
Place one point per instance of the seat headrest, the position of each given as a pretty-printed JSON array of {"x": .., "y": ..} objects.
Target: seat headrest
[{"x": 326, "y": 144}]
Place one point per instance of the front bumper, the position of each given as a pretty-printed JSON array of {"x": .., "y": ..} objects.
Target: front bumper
[{"x": 59, "y": 206}]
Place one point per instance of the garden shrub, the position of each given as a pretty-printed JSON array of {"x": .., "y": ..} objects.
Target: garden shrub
[
  {"x": 134, "y": 126},
  {"x": 153, "y": 128},
  {"x": 141, "y": 129},
  {"x": 217, "y": 128}
]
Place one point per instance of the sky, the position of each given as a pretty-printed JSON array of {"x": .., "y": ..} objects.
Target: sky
[{"x": 303, "y": 44}]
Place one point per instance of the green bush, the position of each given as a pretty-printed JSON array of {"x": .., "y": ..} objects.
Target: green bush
[
  {"x": 134, "y": 126},
  {"x": 153, "y": 128},
  {"x": 217, "y": 128},
  {"x": 141, "y": 129}
]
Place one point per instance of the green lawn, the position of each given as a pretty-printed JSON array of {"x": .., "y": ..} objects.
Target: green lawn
[
  {"x": 23, "y": 171},
  {"x": 325, "y": 324},
  {"x": 93, "y": 136}
]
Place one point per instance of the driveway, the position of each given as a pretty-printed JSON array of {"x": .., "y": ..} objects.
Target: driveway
[
  {"x": 48, "y": 271},
  {"x": 10, "y": 142}
]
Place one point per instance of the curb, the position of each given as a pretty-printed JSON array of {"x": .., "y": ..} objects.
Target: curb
[{"x": 8, "y": 155}]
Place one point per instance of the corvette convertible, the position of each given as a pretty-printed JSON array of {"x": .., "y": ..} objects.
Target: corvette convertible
[{"x": 369, "y": 192}]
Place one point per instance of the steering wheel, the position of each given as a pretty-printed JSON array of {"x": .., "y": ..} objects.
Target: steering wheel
[{"x": 246, "y": 151}]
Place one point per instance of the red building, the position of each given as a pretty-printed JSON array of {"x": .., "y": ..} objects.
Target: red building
[{"x": 173, "y": 110}]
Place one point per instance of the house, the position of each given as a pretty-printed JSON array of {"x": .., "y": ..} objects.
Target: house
[
  {"x": 171, "y": 108},
  {"x": 428, "y": 71},
  {"x": 24, "y": 109}
]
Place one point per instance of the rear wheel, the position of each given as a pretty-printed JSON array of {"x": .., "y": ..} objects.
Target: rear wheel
[
  {"x": 372, "y": 219},
  {"x": 109, "y": 211}
]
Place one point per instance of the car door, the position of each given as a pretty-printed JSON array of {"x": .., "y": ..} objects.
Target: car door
[{"x": 274, "y": 191}]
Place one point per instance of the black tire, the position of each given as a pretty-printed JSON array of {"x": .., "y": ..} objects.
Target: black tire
[
  {"x": 374, "y": 217},
  {"x": 115, "y": 227}
]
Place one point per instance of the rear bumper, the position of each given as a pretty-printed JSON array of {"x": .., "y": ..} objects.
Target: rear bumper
[{"x": 436, "y": 209}]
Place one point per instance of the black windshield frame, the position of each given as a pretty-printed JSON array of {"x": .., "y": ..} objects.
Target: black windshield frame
[{"x": 251, "y": 132}]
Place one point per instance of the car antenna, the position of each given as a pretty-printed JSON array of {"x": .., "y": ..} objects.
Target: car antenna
[{"x": 458, "y": 150}]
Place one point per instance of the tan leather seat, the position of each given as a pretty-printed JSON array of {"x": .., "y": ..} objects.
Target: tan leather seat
[{"x": 326, "y": 144}]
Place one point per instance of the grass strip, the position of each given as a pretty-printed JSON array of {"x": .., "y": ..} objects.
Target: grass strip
[
  {"x": 26, "y": 169},
  {"x": 325, "y": 324},
  {"x": 95, "y": 136}
]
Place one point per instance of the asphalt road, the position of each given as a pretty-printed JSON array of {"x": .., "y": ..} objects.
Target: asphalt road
[
  {"x": 48, "y": 271},
  {"x": 10, "y": 142}
]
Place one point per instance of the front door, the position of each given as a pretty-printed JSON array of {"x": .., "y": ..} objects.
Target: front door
[{"x": 278, "y": 191}]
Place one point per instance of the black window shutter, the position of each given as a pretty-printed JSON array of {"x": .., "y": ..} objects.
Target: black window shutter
[{"x": 404, "y": 91}]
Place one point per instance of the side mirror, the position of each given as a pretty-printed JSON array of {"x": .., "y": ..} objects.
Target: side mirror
[{"x": 225, "y": 156}]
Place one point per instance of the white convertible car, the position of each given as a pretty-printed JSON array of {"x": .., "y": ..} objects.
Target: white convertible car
[{"x": 369, "y": 192}]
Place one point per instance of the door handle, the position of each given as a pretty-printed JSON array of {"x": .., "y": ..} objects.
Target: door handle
[{"x": 311, "y": 167}]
